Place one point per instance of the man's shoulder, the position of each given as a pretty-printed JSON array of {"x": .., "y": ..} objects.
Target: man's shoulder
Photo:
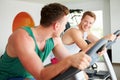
[
  {"x": 72, "y": 30},
  {"x": 57, "y": 40}
]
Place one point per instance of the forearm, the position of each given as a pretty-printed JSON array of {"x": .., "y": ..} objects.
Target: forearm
[{"x": 51, "y": 71}]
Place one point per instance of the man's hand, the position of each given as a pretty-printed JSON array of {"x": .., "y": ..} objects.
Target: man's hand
[
  {"x": 102, "y": 52},
  {"x": 80, "y": 60},
  {"x": 110, "y": 37}
]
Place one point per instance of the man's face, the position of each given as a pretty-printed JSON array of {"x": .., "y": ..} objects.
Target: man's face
[
  {"x": 87, "y": 23},
  {"x": 62, "y": 24}
]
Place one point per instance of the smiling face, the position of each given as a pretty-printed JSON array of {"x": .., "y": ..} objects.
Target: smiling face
[{"x": 86, "y": 23}]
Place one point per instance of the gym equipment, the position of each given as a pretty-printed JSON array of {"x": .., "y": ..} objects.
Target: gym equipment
[
  {"x": 92, "y": 52},
  {"x": 94, "y": 74}
]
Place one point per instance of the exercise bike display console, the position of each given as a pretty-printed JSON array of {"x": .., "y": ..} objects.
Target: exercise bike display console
[{"x": 92, "y": 52}]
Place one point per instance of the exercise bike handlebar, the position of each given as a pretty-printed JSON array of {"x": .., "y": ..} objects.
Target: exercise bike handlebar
[{"x": 92, "y": 52}]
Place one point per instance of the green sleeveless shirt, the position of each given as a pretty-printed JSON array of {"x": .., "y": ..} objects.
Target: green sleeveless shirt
[{"x": 12, "y": 67}]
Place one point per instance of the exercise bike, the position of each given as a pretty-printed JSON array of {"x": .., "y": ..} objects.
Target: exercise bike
[{"x": 92, "y": 52}]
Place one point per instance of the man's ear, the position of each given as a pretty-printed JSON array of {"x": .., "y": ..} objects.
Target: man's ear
[{"x": 55, "y": 26}]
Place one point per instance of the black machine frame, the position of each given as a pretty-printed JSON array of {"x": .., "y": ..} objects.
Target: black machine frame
[{"x": 92, "y": 52}]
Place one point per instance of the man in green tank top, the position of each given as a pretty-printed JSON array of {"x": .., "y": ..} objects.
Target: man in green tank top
[{"x": 27, "y": 48}]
